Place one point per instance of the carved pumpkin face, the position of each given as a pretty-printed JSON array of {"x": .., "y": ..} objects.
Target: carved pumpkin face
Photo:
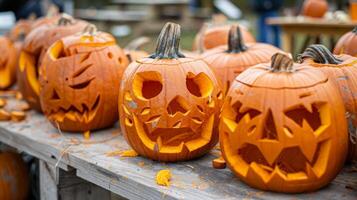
[
  {"x": 230, "y": 60},
  {"x": 7, "y": 63},
  {"x": 346, "y": 44},
  {"x": 35, "y": 46},
  {"x": 211, "y": 36},
  {"x": 342, "y": 71},
  {"x": 283, "y": 127},
  {"x": 169, "y": 104},
  {"x": 314, "y": 8},
  {"x": 80, "y": 77}
]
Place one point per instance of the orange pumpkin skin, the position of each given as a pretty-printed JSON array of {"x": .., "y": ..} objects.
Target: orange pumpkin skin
[
  {"x": 169, "y": 104},
  {"x": 35, "y": 45},
  {"x": 283, "y": 128},
  {"x": 345, "y": 45},
  {"x": 342, "y": 71},
  {"x": 21, "y": 29},
  {"x": 228, "y": 61},
  {"x": 79, "y": 79},
  {"x": 14, "y": 182},
  {"x": 314, "y": 8},
  {"x": 132, "y": 49},
  {"x": 217, "y": 35},
  {"x": 7, "y": 63}
]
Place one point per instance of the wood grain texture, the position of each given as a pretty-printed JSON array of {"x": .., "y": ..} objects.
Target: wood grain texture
[{"x": 134, "y": 178}]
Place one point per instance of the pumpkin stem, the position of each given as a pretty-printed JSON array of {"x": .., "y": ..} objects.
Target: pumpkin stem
[
  {"x": 90, "y": 29},
  {"x": 235, "y": 40},
  {"x": 168, "y": 42},
  {"x": 281, "y": 63},
  {"x": 65, "y": 19},
  {"x": 320, "y": 54}
]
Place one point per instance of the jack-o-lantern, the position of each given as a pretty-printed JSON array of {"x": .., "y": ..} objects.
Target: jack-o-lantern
[
  {"x": 230, "y": 60},
  {"x": 214, "y": 35},
  {"x": 314, "y": 8},
  {"x": 342, "y": 70},
  {"x": 7, "y": 63},
  {"x": 35, "y": 45},
  {"x": 169, "y": 104},
  {"x": 346, "y": 44},
  {"x": 14, "y": 178},
  {"x": 79, "y": 78},
  {"x": 21, "y": 29},
  {"x": 283, "y": 127}
]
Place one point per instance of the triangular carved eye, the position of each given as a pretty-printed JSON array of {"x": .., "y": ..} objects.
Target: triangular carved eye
[
  {"x": 147, "y": 85},
  {"x": 199, "y": 85},
  {"x": 300, "y": 113},
  {"x": 251, "y": 112}
]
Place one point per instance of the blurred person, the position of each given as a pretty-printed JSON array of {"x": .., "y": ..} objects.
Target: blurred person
[{"x": 265, "y": 9}]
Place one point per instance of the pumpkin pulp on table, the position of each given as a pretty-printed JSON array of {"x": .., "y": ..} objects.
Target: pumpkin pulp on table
[
  {"x": 169, "y": 104},
  {"x": 283, "y": 128}
]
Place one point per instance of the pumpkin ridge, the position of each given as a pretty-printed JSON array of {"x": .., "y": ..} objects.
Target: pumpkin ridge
[{"x": 168, "y": 42}]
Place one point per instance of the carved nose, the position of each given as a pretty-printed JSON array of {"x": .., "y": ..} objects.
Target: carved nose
[
  {"x": 178, "y": 104},
  {"x": 270, "y": 131}
]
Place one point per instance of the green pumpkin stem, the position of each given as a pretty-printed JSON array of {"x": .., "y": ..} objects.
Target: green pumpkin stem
[
  {"x": 281, "y": 63},
  {"x": 235, "y": 40},
  {"x": 90, "y": 29},
  {"x": 65, "y": 19},
  {"x": 320, "y": 54},
  {"x": 168, "y": 42}
]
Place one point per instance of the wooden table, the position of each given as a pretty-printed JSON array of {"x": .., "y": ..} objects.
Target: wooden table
[
  {"x": 86, "y": 171},
  {"x": 313, "y": 27}
]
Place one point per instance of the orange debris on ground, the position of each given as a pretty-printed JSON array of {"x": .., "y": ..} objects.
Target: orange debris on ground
[
  {"x": 18, "y": 95},
  {"x": 4, "y": 115},
  {"x": 219, "y": 163},
  {"x": 114, "y": 153},
  {"x": 17, "y": 116},
  {"x": 163, "y": 177},
  {"x": 129, "y": 153},
  {"x": 86, "y": 135},
  {"x": 2, "y": 103},
  {"x": 24, "y": 106}
]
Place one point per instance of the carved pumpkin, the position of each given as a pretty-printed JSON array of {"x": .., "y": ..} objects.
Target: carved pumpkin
[
  {"x": 7, "y": 63},
  {"x": 211, "y": 36},
  {"x": 283, "y": 128},
  {"x": 79, "y": 78},
  {"x": 21, "y": 29},
  {"x": 14, "y": 181},
  {"x": 35, "y": 45},
  {"x": 132, "y": 49},
  {"x": 346, "y": 44},
  {"x": 169, "y": 104},
  {"x": 314, "y": 8},
  {"x": 230, "y": 60},
  {"x": 342, "y": 70}
]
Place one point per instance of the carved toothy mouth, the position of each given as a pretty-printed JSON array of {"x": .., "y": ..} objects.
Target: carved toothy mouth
[{"x": 72, "y": 113}]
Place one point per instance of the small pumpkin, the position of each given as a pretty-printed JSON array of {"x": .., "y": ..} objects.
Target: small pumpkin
[
  {"x": 169, "y": 104},
  {"x": 79, "y": 79},
  {"x": 342, "y": 71},
  {"x": 14, "y": 179},
  {"x": 132, "y": 49},
  {"x": 214, "y": 35},
  {"x": 283, "y": 127},
  {"x": 346, "y": 44},
  {"x": 8, "y": 62},
  {"x": 314, "y": 8},
  {"x": 230, "y": 60},
  {"x": 21, "y": 29},
  {"x": 35, "y": 46}
]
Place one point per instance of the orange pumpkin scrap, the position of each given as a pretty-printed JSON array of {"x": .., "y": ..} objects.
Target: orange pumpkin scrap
[
  {"x": 283, "y": 127},
  {"x": 14, "y": 182},
  {"x": 4, "y": 115},
  {"x": 314, "y": 8},
  {"x": 213, "y": 35},
  {"x": 219, "y": 163},
  {"x": 7, "y": 63},
  {"x": 342, "y": 70},
  {"x": 230, "y": 60},
  {"x": 346, "y": 44},
  {"x": 35, "y": 45},
  {"x": 169, "y": 104},
  {"x": 79, "y": 78}
]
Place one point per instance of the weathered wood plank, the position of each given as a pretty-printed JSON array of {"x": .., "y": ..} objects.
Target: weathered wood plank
[
  {"x": 134, "y": 178},
  {"x": 48, "y": 181}
]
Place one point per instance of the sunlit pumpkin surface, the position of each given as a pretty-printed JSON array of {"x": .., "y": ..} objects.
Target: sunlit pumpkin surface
[
  {"x": 7, "y": 63},
  {"x": 284, "y": 131},
  {"x": 347, "y": 44},
  {"x": 80, "y": 78},
  {"x": 169, "y": 106}
]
